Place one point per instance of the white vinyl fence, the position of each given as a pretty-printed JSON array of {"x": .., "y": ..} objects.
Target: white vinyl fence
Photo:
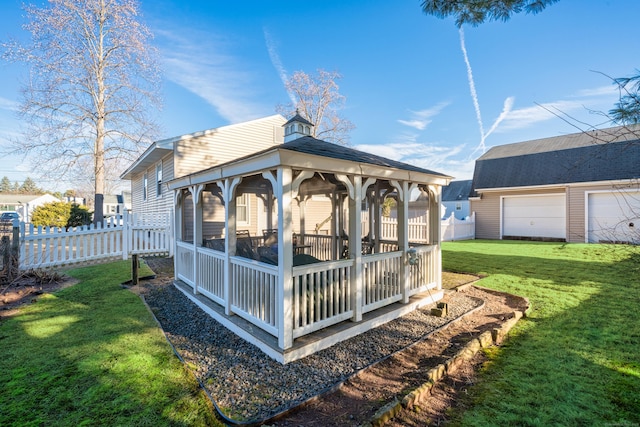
[
  {"x": 132, "y": 234},
  {"x": 450, "y": 228},
  {"x": 458, "y": 229}
]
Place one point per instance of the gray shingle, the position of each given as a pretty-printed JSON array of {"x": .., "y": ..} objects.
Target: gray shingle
[
  {"x": 567, "y": 159},
  {"x": 310, "y": 145}
]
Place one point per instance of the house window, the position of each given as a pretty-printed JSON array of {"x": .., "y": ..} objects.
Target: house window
[
  {"x": 145, "y": 186},
  {"x": 458, "y": 206},
  {"x": 159, "y": 180},
  {"x": 242, "y": 209}
]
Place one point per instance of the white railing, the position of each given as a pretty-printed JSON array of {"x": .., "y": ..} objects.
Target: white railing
[
  {"x": 51, "y": 246},
  {"x": 254, "y": 290},
  {"x": 423, "y": 274},
  {"x": 321, "y": 295},
  {"x": 184, "y": 262},
  {"x": 211, "y": 274},
  {"x": 457, "y": 229},
  {"x": 320, "y": 245},
  {"x": 381, "y": 279}
]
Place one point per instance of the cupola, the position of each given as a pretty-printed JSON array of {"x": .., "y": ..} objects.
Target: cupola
[{"x": 297, "y": 127}]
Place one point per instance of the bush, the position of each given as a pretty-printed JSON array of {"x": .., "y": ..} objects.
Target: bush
[{"x": 60, "y": 214}]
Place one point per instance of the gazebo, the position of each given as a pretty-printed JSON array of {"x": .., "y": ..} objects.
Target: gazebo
[{"x": 286, "y": 247}]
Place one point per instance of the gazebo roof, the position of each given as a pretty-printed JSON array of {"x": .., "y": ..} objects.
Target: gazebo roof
[{"x": 309, "y": 153}]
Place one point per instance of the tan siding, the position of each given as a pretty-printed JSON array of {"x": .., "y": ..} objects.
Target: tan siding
[
  {"x": 577, "y": 208},
  {"x": 316, "y": 211},
  {"x": 212, "y": 216},
  {"x": 225, "y": 144},
  {"x": 487, "y": 212},
  {"x": 575, "y": 214},
  {"x": 154, "y": 203}
]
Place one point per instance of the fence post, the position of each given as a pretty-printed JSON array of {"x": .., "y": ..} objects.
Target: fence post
[
  {"x": 134, "y": 270},
  {"x": 5, "y": 246},
  {"x": 14, "y": 258},
  {"x": 125, "y": 234}
]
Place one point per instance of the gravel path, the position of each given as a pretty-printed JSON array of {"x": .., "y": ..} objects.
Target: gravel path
[{"x": 248, "y": 385}]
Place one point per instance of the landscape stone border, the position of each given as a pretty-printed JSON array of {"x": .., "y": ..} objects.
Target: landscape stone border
[{"x": 485, "y": 340}]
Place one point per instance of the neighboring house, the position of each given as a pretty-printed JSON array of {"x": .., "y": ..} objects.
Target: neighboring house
[
  {"x": 582, "y": 187},
  {"x": 24, "y": 204},
  {"x": 176, "y": 157},
  {"x": 455, "y": 198},
  {"x": 272, "y": 245}
]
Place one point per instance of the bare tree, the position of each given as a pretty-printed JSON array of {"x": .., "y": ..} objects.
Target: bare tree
[
  {"x": 93, "y": 78},
  {"x": 318, "y": 100}
]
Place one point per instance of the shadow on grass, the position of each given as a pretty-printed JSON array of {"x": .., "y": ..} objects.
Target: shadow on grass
[
  {"x": 576, "y": 361},
  {"x": 92, "y": 354}
]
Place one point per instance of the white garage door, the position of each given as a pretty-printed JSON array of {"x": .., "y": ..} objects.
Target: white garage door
[
  {"x": 614, "y": 217},
  {"x": 534, "y": 216}
]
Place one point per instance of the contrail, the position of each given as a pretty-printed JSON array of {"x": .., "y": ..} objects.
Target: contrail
[
  {"x": 472, "y": 88},
  {"x": 508, "y": 103},
  {"x": 506, "y": 109},
  {"x": 277, "y": 64}
]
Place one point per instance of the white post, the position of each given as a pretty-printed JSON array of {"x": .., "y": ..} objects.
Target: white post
[
  {"x": 177, "y": 207},
  {"x": 126, "y": 230},
  {"x": 228, "y": 189},
  {"x": 196, "y": 192},
  {"x": 452, "y": 221},
  {"x": 284, "y": 297},
  {"x": 403, "y": 238},
  {"x": 434, "y": 215},
  {"x": 355, "y": 247}
]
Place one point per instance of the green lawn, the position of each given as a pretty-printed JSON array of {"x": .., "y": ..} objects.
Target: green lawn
[
  {"x": 92, "y": 354},
  {"x": 575, "y": 361}
]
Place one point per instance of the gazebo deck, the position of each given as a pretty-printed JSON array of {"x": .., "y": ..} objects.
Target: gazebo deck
[{"x": 315, "y": 341}]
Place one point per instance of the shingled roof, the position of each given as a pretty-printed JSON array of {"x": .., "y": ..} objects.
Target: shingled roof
[
  {"x": 456, "y": 191},
  {"x": 318, "y": 147},
  {"x": 601, "y": 155}
]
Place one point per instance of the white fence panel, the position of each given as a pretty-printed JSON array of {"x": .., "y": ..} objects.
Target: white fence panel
[
  {"x": 50, "y": 246},
  {"x": 457, "y": 229},
  {"x": 450, "y": 228},
  {"x": 53, "y": 247}
]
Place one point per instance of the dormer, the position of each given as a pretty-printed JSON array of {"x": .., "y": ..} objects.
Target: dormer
[{"x": 297, "y": 127}]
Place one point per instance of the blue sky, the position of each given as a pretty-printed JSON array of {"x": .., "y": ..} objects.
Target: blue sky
[{"x": 413, "y": 92}]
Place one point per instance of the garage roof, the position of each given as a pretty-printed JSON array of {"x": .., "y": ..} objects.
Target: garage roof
[{"x": 600, "y": 155}]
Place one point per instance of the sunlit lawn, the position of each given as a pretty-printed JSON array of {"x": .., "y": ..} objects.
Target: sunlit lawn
[
  {"x": 92, "y": 354},
  {"x": 575, "y": 361}
]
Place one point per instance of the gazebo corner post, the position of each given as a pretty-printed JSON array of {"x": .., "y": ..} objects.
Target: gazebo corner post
[
  {"x": 177, "y": 230},
  {"x": 196, "y": 192},
  {"x": 228, "y": 188},
  {"x": 403, "y": 239},
  {"x": 284, "y": 296},
  {"x": 434, "y": 230},
  {"x": 355, "y": 248}
]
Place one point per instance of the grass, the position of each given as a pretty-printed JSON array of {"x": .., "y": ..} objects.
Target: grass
[
  {"x": 576, "y": 359},
  {"x": 92, "y": 354}
]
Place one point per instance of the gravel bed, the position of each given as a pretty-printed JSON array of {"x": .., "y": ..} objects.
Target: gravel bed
[{"x": 249, "y": 386}]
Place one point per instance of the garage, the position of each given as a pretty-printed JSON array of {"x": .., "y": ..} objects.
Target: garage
[
  {"x": 534, "y": 216},
  {"x": 613, "y": 217}
]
